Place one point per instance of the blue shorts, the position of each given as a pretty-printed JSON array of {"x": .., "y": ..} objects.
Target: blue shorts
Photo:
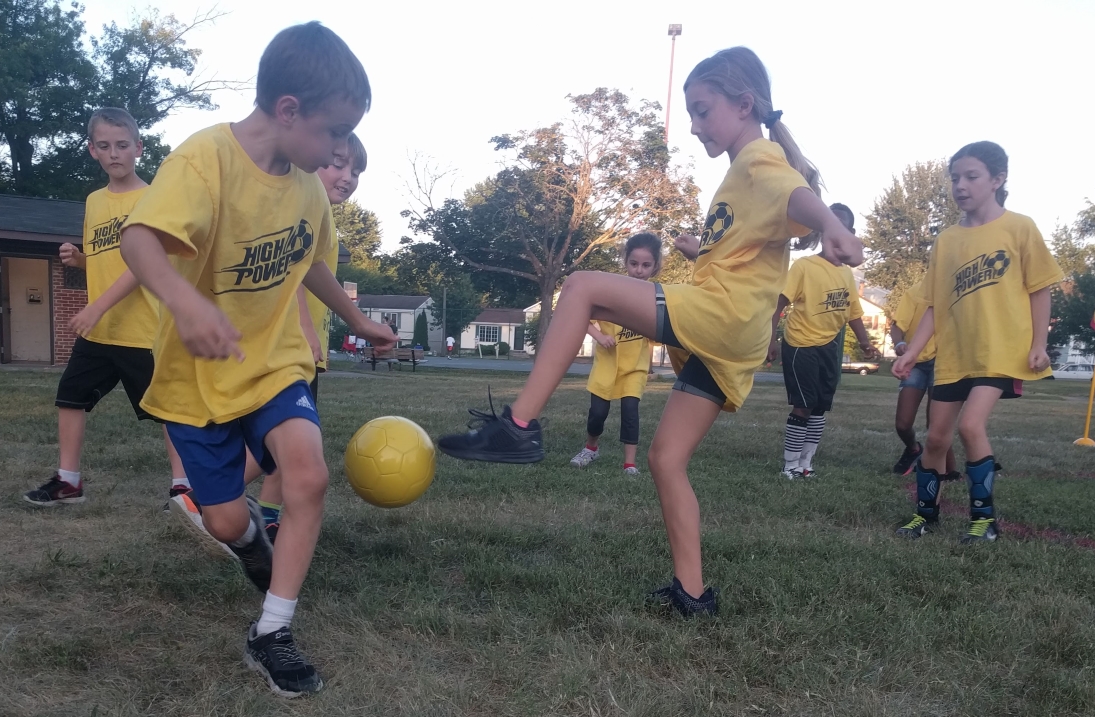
[
  {"x": 215, "y": 455},
  {"x": 922, "y": 376}
]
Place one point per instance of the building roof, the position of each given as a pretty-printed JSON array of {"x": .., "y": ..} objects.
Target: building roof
[
  {"x": 501, "y": 316},
  {"x": 343, "y": 254},
  {"x": 393, "y": 302},
  {"x": 33, "y": 215}
]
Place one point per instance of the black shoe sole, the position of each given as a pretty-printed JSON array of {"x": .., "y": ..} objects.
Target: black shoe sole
[{"x": 513, "y": 458}]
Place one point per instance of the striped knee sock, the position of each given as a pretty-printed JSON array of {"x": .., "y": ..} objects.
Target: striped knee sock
[
  {"x": 814, "y": 428},
  {"x": 793, "y": 438}
]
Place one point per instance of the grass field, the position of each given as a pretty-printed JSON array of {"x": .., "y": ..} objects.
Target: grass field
[{"x": 518, "y": 590}]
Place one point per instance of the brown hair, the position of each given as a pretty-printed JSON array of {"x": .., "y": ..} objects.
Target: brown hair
[
  {"x": 645, "y": 240},
  {"x": 313, "y": 64},
  {"x": 114, "y": 116},
  {"x": 993, "y": 157},
  {"x": 359, "y": 159}
]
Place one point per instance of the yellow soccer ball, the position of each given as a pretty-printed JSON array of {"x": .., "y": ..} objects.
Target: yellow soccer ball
[{"x": 390, "y": 461}]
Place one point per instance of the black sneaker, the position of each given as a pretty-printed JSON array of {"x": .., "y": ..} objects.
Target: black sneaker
[
  {"x": 275, "y": 657},
  {"x": 981, "y": 530},
  {"x": 257, "y": 557},
  {"x": 55, "y": 492},
  {"x": 918, "y": 527},
  {"x": 495, "y": 439},
  {"x": 674, "y": 596},
  {"x": 905, "y": 463}
]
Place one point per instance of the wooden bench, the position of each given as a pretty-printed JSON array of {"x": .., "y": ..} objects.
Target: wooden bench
[{"x": 392, "y": 356}]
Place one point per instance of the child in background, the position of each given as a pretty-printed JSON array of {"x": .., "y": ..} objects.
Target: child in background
[
  {"x": 988, "y": 294},
  {"x": 621, "y": 363}
]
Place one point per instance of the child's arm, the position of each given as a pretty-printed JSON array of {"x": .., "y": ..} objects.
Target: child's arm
[
  {"x": 688, "y": 245},
  {"x": 204, "y": 329},
  {"x": 806, "y": 208},
  {"x": 860, "y": 332},
  {"x": 903, "y": 366},
  {"x": 320, "y": 281},
  {"x": 72, "y": 256},
  {"x": 773, "y": 347},
  {"x": 307, "y": 326},
  {"x": 1038, "y": 359},
  {"x": 83, "y": 322},
  {"x": 898, "y": 336},
  {"x": 601, "y": 338}
]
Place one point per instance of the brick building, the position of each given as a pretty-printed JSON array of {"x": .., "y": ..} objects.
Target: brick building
[{"x": 38, "y": 295}]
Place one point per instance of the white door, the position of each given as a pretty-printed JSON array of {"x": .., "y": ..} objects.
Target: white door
[{"x": 27, "y": 285}]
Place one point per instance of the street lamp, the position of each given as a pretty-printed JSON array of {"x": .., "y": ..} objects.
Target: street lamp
[{"x": 674, "y": 32}]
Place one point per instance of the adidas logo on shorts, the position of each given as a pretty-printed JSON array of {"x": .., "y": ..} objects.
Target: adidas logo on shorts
[{"x": 303, "y": 402}]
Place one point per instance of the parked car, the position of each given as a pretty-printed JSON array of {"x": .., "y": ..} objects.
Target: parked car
[
  {"x": 1079, "y": 371},
  {"x": 861, "y": 367}
]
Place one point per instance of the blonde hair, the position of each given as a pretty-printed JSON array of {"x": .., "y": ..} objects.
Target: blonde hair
[
  {"x": 113, "y": 116},
  {"x": 359, "y": 159},
  {"x": 736, "y": 72}
]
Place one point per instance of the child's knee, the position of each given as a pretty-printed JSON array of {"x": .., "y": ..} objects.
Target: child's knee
[
  {"x": 226, "y": 522},
  {"x": 971, "y": 430},
  {"x": 903, "y": 424}
]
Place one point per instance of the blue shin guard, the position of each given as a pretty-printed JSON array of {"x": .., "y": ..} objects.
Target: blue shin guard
[
  {"x": 981, "y": 476},
  {"x": 927, "y": 492}
]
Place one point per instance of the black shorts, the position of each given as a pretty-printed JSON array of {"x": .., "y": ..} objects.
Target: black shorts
[
  {"x": 694, "y": 377},
  {"x": 95, "y": 369},
  {"x": 959, "y": 391},
  {"x": 811, "y": 374}
]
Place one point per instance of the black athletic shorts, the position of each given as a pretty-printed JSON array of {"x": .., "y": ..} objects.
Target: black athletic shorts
[
  {"x": 959, "y": 391},
  {"x": 694, "y": 377},
  {"x": 811, "y": 374},
  {"x": 95, "y": 369}
]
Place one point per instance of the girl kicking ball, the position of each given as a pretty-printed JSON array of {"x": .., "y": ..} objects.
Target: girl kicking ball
[
  {"x": 719, "y": 324},
  {"x": 621, "y": 363}
]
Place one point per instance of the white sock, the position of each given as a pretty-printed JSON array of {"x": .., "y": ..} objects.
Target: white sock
[
  {"x": 248, "y": 536},
  {"x": 276, "y": 613},
  {"x": 176, "y": 482},
  {"x": 70, "y": 477}
]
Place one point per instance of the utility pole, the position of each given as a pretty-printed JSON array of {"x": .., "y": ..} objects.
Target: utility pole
[
  {"x": 674, "y": 32},
  {"x": 444, "y": 314}
]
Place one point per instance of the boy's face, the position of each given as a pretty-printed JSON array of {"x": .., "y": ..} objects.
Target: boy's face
[
  {"x": 311, "y": 141},
  {"x": 115, "y": 149},
  {"x": 339, "y": 178}
]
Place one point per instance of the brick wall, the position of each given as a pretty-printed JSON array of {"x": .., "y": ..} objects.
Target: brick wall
[{"x": 67, "y": 302}]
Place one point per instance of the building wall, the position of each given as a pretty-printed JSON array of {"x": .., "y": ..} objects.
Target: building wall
[{"x": 67, "y": 302}]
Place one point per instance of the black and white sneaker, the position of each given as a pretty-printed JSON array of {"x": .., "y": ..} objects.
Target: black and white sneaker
[
  {"x": 674, "y": 596},
  {"x": 495, "y": 439},
  {"x": 257, "y": 557},
  {"x": 275, "y": 657}
]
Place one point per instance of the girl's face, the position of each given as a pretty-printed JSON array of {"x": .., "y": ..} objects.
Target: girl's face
[
  {"x": 640, "y": 264},
  {"x": 717, "y": 122},
  {"x": 972, "y": 185}
]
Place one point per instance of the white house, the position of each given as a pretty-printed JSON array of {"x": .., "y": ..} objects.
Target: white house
[
  {"x": 492, "y": 326},
  {"x": 402, "y": 312},
  {"x": 532, "y": 313}
]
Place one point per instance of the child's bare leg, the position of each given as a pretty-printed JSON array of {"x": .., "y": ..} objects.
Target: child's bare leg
[
  {"x": 177, "y": 470},
  {"x": 297, "y": 448},
  {"x": 71, "y": 423},
  {"x": 908, "y": 404},
  {"x": 951, "y": 466},
  {"x": 685, "y": 421},
  {"x": 630, "y": 453},
  {"x": 585, "y": 295},
  {"x": 227, "y": 522},
  {"x": 973, "y": 426},
  {"x": 944, "y": 418},
  {"x": 252, "y": 471},
  {"x": 270, "y": 493}
]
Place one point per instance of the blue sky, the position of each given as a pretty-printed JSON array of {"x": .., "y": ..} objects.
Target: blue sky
[{"x": 867, "y": 87}]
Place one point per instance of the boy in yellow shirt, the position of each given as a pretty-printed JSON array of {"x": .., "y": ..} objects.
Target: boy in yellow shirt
[
  {"x": 825, "y": 298},
  {"x": 988, "y": 293},
  {"x": 116, "y": 329},
  {"x": 247, "y": 221}
]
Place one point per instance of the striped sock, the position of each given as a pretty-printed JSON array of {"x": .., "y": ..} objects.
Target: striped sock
[
  {"x": 793, "y": 438},
  {"x": 271, "y": 513},
  {"x": 814, "y": 428}
]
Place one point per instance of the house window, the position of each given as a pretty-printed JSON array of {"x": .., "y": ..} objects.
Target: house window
[
  {"x": 390, "y": 318},
  {"x": 870, "y": 322},
  {"x": 487, "y": 334}
]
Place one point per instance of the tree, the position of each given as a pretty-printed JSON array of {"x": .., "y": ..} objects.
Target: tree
[
  {"x": 1073, "y": 301},
  {"x": 565, "y": 192},
  {"x": 421, "y": 331},
  {"x": 50, "y": 84},
  {"x": 1071, "y": 245},
  {"x": 359, "y": 231},
  {"x": 903, "y": 225},
  {"x": 456, "y": 303}
]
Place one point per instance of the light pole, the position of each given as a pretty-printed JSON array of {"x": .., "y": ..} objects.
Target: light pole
[{"x": 674, "y": 31}]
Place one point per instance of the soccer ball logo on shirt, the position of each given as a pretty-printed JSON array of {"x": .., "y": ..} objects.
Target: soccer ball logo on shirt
[
  {"x": 266, "y": 259},
  {"x": 718, "y": 223},
  {"x": 980, "y": 273}
]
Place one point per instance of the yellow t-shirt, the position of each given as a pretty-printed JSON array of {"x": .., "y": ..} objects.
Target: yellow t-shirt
[
  {"x": 910, "y": 310},
  {"x": 979, "y": 280},
  {"x": 619, "y": 371},
  {"x": 318, "y": 311},
  {"x": 133, "y": 320},
  {"x": 725, "y": 315},
  {"x": 825, "y": 298},
  {"x": 245, "y": 239}
]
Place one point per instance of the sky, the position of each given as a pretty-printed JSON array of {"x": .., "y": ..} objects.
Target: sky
[{"x": 866, "y": 87}]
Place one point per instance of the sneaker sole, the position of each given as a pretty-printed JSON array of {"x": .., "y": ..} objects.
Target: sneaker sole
[
  {"x": 214, "y": 547},
  {"x": 258, "y": 667},
  {"x": 515, "y": 458},
  {"x": 55, "y": 503}
]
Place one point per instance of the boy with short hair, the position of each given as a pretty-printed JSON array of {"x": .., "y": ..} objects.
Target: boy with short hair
[
  {"x": 249, "y": 223},
  {"x": 116, "y": 329}
]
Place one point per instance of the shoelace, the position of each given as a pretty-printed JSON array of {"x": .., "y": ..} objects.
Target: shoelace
[
  {"x": 287, "y": 655},
  {"x": 482, "y": 418},
  {"x": 916, "y": 522},
  {"x": 979, "y": 527}
]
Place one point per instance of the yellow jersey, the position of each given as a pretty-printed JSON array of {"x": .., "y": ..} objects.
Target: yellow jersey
[
  {"x": 910, "y": 310},
  {"x": 133, "y": 320},
  {"x": 622, "y": 370},
  {"x": 318, "y": 311},
  {"x": 724, "y": 316},
  {"x": 244, "y": 239},
  {"x": 825, "y": 297},
  {"x": 979, "y": 282}
]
